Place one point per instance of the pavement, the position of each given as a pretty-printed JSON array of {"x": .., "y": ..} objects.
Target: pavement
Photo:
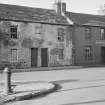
[
  {"x": 44, "y": 69},
  {"x": 27, "y": 91},
  {"x": 69, "y": 67}
]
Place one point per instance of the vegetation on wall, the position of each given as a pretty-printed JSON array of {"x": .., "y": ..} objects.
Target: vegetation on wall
[
  {"x": 5, "y": 38},
  {"x": 5, "y": 41},
  {"x": 5, "y": 32}
]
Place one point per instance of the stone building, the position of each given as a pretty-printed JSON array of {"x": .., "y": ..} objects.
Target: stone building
[
  {"x": 88, "y": 38},
  {"x": 37, "y": 37}
]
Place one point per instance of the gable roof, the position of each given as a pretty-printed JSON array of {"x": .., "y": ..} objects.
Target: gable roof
[
  {"x": 29, "y": 14},
  {"x": 22, "y": 13},
  {"x": 86, "y": 19}
]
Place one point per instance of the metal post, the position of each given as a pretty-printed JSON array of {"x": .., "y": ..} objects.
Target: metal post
[{"x": 7, "y": 81}]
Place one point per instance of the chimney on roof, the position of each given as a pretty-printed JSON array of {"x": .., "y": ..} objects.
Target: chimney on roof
[
  {"x": 101, "y": 10},
  {"x": 60, "y": 6}
]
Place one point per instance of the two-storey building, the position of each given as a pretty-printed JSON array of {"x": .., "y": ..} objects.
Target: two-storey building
[
  {"x": 37, "y": 37},
  {"x": 88, "y": 38},
  {"x": 43, "y": 37}
]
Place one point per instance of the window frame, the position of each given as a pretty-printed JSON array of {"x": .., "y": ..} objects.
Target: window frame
[
  {"x": 61, "y": 33},
  {"x": 12, "y": 56},
  {"x": 38, "y": 29},
  {"x": 88, "y": 33},
  {"x": 88, "y": 54},
  {"x": 61, "y": 54},
  {"x": 13, "y": 31},
  {"x": 102, "y": 34}
]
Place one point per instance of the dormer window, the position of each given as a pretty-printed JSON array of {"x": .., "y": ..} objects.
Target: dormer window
[{"x": 13, "y": 31}]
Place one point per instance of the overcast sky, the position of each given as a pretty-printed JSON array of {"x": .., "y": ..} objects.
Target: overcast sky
[{"x": 81, "y": 6}]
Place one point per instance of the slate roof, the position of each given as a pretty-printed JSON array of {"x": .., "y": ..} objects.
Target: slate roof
[
  {"x": 29, "y": 14},
  {"x": 22, "y": 13},
  {"x": 86, "y": 19}
]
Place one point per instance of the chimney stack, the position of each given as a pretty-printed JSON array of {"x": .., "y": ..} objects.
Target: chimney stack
[
  {"x": 60, "y": 6},
  {"x": 63, "y": 7}
]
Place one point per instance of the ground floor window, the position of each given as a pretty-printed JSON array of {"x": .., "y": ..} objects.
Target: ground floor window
[
  {"x": 61, "y": 54},
  {"x": 13, "y": 55},
  {"x": 88, "y": 52}
]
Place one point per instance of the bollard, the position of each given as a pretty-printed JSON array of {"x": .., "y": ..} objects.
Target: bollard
[{"x": 7, "y": 81}]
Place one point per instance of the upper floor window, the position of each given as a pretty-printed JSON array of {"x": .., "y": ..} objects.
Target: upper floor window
[
  {"x": 102, "y": 34},
  {"x": 38, "y": 29},
  {"x": 88, "y": 33},
  {"x": 61, "y": 34},
  {"x": 88, "y": 52},
  {"x": 13, "y": 31}
]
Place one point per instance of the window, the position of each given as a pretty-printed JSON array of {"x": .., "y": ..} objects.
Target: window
[
  {"x": 13, "y": 31},
  {"x": 88, "y": 52},
  {"x": 60, "y": 34},
  {"x": 38, "y": 29},
  {"x": 13, "y": 55},
  {"x": 88, "y": 33},
  {"x": 61, "y": 55},
  {"x": 102, "y": 34}
]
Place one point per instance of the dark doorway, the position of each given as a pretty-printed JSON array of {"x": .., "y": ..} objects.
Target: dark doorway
[
  {"x": 34, "y": 57},
  {"x": 103, "y": 54},
  {"x": 44, "y": 57}
]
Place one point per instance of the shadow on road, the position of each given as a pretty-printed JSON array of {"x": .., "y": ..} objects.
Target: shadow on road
[
  {"x": 80, "y": 88},
  {"x": 66, "y": 81}
]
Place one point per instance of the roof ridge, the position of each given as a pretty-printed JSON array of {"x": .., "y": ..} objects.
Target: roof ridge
[
  {"x": 86, "y": 14},
  {"x": 4, "y": 4}
]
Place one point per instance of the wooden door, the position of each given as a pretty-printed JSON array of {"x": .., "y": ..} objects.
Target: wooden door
[
  {"x": 103, "y": 54},
  {"x": 44, "y": 57},
  {"x": 34, "y": 57}
]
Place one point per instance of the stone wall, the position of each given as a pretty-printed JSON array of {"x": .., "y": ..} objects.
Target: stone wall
[{"x": 45, "y": 37}]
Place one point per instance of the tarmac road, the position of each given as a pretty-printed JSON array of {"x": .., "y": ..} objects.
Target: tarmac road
[{"x": 79, "y": 87}]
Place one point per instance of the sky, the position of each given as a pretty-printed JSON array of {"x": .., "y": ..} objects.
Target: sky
[{"x": 80, "y": 6}]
